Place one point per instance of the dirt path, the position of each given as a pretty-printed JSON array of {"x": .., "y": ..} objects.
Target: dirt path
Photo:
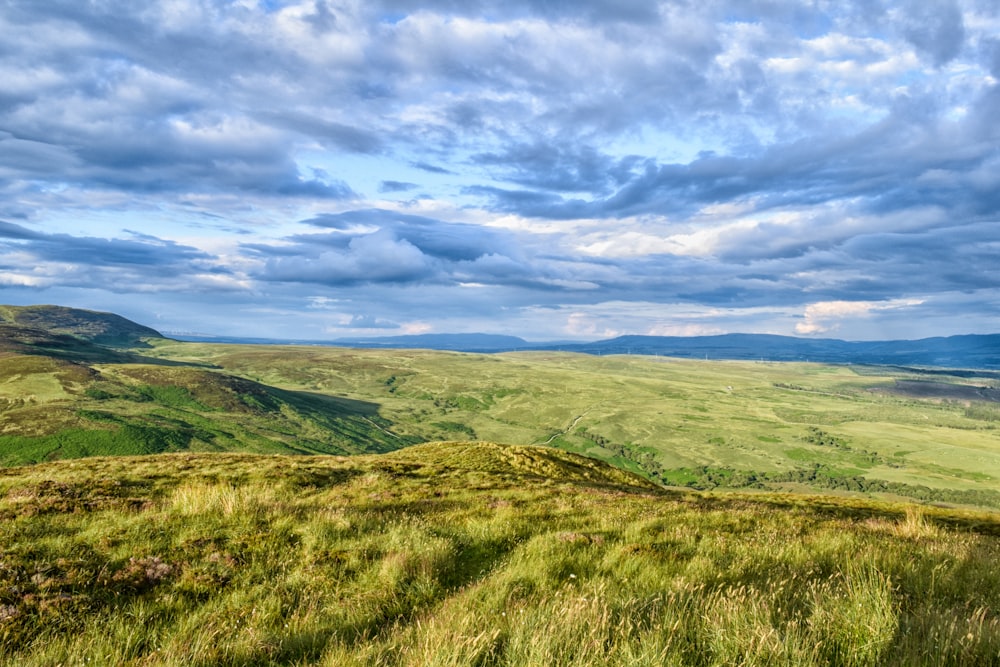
[{"x": 568, "y": 428}]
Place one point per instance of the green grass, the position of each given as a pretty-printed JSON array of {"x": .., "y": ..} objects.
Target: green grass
[
  {"x": 658, "y": 417},
  {"x": 473, "y": 554},
  {"x": 54, "y": 408}
]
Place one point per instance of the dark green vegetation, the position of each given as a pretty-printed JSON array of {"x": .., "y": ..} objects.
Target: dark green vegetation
[{"x": 473, "y": 554}]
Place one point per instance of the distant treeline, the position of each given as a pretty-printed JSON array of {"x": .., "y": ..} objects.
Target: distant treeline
[
  {"x": 818, "y": 475},
  {"x": 821, "y": 476}
]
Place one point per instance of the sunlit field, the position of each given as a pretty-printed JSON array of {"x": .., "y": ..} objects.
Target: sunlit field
[{"x": 473, "y": 554}]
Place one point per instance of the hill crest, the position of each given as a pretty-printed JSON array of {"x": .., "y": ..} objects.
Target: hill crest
[{"x": 97, "y": 327}]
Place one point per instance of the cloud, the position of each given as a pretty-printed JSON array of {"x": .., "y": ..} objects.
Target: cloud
[
  {"x": 754, "y": 157},
  {"x": 396, "y": 186},
  {"x": 432, "y": 168},
  {"x": 368, "y": 322},
  {"x": 826, "y": 316},
  {"x": 373, "y": 258},
  {"x": 143, "y": 263},
  {"x": 934, "y": 27}
]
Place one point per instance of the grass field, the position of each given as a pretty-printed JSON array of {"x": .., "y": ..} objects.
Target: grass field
[
  {"x": 473, "y": 554},
  {"x": 671, "y": 420},
  {"x": 705, "y": 424},
  {"x": 202, "y": 542}
]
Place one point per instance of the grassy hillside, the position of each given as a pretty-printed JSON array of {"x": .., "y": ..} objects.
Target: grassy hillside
[
  {"x": 929, "y": 435},
  {"x": 781, "y": 426},
  {"x": 99, "y": 328},
  {"x": 473, "y": 554},
  {"x": 53, "y": 408}
]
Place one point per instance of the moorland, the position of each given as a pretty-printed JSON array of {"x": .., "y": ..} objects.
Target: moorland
[{"x": 171, "y": 502}]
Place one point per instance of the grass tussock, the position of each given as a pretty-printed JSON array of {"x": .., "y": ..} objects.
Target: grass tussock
[{"x": 469, "y": 555}]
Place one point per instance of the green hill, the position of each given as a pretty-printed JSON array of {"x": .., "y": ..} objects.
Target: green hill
[
  {"x": 891, "y": 432},
  {"x": 51, "y": 408},
  {"x": 105, "y": 329},
  {"x": 702, "y": 424},
  {"x": 78, "y": 383},
  {"x": 473, "y": 554}
]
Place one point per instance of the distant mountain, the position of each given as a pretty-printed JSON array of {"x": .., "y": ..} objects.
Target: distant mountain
[
  {"x": 110, "y": 330},
  {"x": 105, "y": 329},
  {"x": 472, "y": 342},
  {"x": 968, "y": 351}
]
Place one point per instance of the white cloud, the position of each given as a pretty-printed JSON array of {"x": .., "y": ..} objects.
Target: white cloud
[
  {"x": 826, "y": 316},
  {"x": 631, "y": 165}
]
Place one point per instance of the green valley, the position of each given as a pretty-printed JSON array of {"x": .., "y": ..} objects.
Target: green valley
[{"x": 894, "y": 432}]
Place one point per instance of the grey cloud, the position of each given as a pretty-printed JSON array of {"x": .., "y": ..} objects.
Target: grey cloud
[
  {"x": 561, "y": 167},
  {"x": 372, "y": 258},
  {"x": 9, "y": 230},
  {"x": 146, "y": 251},
  {"x": 396, "y": 186},
  {"x": 910, "y": 159},
  {"x": 599, "y": 11},
  {"x": 378, "y": 247},
  {"x": 38, "y": 158},
  {"x": 369, "y": 322},
  {"x": 142, "y": 264},
  {"x": 443, "y": 240},
  {"x": 331, "y": 133},
  {"x": 934, "y": 27},
  {"x": 428, "y": 167}
]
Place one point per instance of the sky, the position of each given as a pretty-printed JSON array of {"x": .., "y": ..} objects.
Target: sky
[{"x": 552, "y": 169}]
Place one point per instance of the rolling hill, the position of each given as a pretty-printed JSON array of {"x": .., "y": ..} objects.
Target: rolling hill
[
  {"x": 105, "y": 329},
  {"x": 886, "y": 431},
  {"x": 64, "y": 395},
  {"x": 210, "y": 544}
]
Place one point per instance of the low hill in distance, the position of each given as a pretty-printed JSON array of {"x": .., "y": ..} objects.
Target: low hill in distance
[
  {"x": 473, "y": 554},
  {"x": 966, "y": 351},
  {"x": 472, "y": 342}
]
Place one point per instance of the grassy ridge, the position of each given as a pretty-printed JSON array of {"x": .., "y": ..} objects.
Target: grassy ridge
[
  {"x": 105, "y": 329},
  {"x": 473, "y": 554}
]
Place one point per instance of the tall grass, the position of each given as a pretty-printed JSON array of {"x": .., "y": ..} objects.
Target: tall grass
[{"x": 400, "y": 560}]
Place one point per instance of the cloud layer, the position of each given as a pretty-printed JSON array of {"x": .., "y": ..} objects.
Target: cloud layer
[{"x": 308, "y": 168}]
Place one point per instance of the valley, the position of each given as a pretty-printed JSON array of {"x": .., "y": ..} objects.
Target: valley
[
  {"x": 892, "y": 431},
  {"x": 178, "y": 503}
]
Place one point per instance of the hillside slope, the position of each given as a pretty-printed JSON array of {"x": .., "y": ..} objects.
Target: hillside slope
[
  {"x": 473, "y": 554},
  {"x": 62, "y": 395},
  {"x": 105, "y": 329},
  {"x": 929, "y": 435}
]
